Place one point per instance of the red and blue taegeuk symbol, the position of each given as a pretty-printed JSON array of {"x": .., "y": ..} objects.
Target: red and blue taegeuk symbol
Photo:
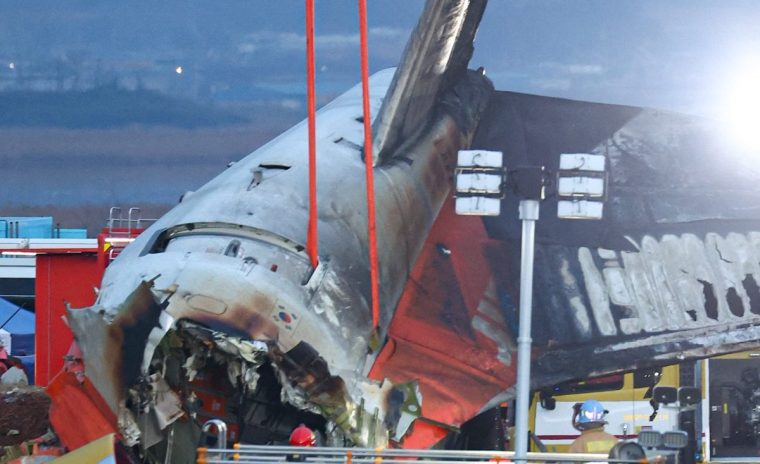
[{"x": 285, "y": 317}]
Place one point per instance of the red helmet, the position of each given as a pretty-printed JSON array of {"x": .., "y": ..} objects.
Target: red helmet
[{"x": 302, "y": 436}]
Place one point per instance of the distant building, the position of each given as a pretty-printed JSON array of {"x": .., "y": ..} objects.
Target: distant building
[
  {"x": 36, "y": 227},
  {"x": 17, "y": 269}
]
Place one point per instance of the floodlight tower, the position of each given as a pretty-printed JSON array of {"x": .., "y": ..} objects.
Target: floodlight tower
[{"x": 481, "y": 181}]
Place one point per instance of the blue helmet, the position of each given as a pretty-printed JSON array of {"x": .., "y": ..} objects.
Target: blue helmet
[{"x": 591, "y": 411}]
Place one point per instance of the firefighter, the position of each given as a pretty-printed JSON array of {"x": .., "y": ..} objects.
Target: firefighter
[
  {"x": 588, "y": 418},
  {"x": 301, "y": 436}
]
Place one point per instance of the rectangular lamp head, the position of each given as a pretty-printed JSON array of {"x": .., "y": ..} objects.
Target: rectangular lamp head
[
  {"x": 579, "y": 209},
  {"x": 581, "y": 162},
  {"x": 581, "y": 186},
  {"x": 478, "y": 206},
  {"x": 479, "y": 182},
  {"x": 480, "y": 158}
]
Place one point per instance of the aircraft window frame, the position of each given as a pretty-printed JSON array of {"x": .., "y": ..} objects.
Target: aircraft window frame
[{"x": 294, "y": 256}]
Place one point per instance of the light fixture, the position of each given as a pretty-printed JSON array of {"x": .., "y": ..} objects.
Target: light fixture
[
  {"x": 479, "y": 178},
  {"x": 581, "y": 186},
  {"x": 579, "y": 209}
]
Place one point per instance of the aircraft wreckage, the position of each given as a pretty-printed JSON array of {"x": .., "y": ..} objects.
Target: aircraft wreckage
[{"x": 219, "y": 294}]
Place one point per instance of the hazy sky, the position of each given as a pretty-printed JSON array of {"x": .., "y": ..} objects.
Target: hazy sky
[
  {"x": 692, "y": 56},
  {"x": 674, "y": 54}
]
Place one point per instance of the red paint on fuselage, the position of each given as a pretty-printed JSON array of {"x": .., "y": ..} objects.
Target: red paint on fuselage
[{"x": 432, "y": 337}]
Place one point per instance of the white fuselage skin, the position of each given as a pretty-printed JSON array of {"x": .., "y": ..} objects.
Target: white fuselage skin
[{"x": 255, "y": 287}]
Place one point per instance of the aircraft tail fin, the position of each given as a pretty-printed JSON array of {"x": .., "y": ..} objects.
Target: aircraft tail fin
[{"x": 435, "y": 56}]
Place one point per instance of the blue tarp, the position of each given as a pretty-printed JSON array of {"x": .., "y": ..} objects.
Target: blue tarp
[
  {"x": 20, "y": 326},
  {"x": 28, "y": 362}
]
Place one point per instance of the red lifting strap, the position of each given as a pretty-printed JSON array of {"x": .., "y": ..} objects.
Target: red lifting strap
[
  {"x": 372, "y": 235},
  {"x": 312, "y": 239},
  {"x": 311, "y": 235}
]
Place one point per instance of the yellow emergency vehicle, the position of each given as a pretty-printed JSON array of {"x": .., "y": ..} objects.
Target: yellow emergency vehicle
[{"x": 719, "y": 408}]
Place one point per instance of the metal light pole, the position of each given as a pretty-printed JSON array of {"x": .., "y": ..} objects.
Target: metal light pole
[
  {"x": 481, "y": 180},
  {"x": 581, "y": 176},
  {"x": 528, "y": 216},
  {"x": 476, "y": 186}
]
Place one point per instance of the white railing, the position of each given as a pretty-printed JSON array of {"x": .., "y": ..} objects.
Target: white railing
[
  {"x": 134, "y": 220},
  {"x": 267, "y": 454}
]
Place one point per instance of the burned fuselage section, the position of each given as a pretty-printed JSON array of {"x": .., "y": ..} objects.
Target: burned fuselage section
[
  {"x": 197, "y": 374},
  {"x": 221, "y": 284},
  {"x": 166, "y": 359},
  {"x": 672, "y": 270},
  {"x": 216, "y": 292},
  {"x": 682, "y": 296},
  {"x": 226, "y": 306}
]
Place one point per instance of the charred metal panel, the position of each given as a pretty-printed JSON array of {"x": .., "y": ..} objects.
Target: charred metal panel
[
  {"x": 120, "y": 342},
  {"x": 671, "y": 270},
  {"x": 303, "y": 366},
  {"x": 667, "y": 170},
  {"x": 435, "y": 58}
]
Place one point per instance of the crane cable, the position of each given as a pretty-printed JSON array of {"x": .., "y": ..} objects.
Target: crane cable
[
  {"x": 368, "y": 165},
  {"x": 312, "y": 240}
]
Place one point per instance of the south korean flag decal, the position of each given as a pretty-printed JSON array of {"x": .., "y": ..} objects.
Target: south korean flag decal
[{"x": 285, "y": 319}]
